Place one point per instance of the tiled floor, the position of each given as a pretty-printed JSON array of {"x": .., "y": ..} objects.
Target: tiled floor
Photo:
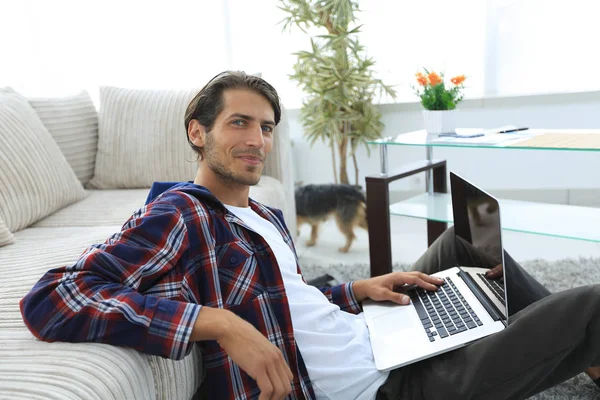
[{"x": 409, "y": 241}]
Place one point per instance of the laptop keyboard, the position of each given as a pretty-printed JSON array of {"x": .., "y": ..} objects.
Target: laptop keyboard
[
  {"x": 495, "y": 287},
  {"x": 444, "y": 312}
]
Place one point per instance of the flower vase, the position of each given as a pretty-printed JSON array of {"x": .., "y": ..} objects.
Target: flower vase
[{"x": 437, "y": 122}]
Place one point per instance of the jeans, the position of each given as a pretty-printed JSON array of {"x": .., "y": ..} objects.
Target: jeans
[{"x": 550, "y": 338}]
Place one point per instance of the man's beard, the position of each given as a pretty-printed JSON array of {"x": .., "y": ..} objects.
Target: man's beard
[{"x": 226, "y": 175}]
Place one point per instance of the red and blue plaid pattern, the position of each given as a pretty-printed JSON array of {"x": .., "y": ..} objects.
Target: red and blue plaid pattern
[{"x": 144, "y": 286}]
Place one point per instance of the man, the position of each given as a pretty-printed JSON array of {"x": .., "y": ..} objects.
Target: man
[{"x": 204, "y": 263}]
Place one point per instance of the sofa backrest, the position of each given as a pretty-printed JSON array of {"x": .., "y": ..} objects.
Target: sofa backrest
[
  {"x": 35, "y": 178},
  {"x": 141, "y": 139},
  {"x": 73, "y": 123},
  {"x": 136, "y": 138},
  {"x": 280, "y": 166}
]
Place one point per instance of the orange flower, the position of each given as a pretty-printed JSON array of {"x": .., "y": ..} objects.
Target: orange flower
[
  {"x": 422, "y": 79},
  {"x": 434, "y": 78},
  {"x": 457, "y": 80}
]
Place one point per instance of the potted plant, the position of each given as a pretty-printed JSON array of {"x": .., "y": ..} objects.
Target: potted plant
[
  {"x": 439, "y": 101},
  {"x": 337, "y": 78}
]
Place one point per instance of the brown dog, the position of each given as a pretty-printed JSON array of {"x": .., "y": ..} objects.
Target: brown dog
[{"x": 316, "y": 203}]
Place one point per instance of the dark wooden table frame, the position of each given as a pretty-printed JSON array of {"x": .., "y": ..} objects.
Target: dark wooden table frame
[{"x": 378, "y": 210}]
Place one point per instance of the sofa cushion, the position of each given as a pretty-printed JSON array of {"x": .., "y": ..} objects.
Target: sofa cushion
[
  {"x": 38, "y": 370},
  {"x": 141, "y": 138},
  {"x": 74, "y": 370},
  {"x": 100, "y": 207},
  {"x": 35, "y": 251},
  {"x": 35, "y": 177},
  {"x": 5, "y": 236},
  {"x": 269, "y": 192},
  {"x": 280, "y": 165},
  {"x": 73, "y": 123}
]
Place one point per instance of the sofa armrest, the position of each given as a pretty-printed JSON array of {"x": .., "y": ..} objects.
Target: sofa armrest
[
  {"x": 279, "y": 165},
  {"x": 270, "y": 192}
]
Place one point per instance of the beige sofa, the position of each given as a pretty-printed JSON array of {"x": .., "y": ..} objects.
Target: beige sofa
[{"x": 50, "y": 150}]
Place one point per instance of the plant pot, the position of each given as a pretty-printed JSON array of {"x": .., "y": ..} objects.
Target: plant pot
[{"x": 437, "y": 122}]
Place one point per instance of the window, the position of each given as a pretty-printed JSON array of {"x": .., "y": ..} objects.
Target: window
[
  {"x": 259, "y": 44},
  {"x": 402, "y": 37},
  {"x": 505, "y": 47},
  {"x": 61, "y": 46},
  {"x": 540, "y": 46},
  {"x": 405, "y": 36}
]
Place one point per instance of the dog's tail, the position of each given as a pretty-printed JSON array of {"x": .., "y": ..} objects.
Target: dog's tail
[
  {"x": 354, "y": 206},
  {"x": 362, "y": 211},
  {"x": 362, "y": 215},
  {"x": 354, "y": 193}
]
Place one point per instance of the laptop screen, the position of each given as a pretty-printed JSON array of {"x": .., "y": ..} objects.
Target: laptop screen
[{"x": 477, "y": 231}]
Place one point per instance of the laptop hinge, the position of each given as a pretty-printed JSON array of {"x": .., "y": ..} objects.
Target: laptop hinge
[{"x": 488, "y": 305}]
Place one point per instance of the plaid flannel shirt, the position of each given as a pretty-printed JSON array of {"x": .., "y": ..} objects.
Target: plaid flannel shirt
[{"x": 144, "y": 287}]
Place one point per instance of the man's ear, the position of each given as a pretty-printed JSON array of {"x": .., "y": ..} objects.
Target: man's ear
[{"x": 196, "y": 133}]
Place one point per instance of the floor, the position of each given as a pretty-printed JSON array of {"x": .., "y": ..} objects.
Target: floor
[
  {"x": 409, "y": 241},
  {"x": 409, "y": 238}
]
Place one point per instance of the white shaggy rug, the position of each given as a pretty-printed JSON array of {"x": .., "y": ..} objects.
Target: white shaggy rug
[{"x": 556, "y": 276}]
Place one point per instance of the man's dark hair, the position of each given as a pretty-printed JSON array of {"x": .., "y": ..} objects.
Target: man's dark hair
[{"x": 208, "y": 103}]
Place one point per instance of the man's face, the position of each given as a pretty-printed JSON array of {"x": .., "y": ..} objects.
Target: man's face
[{"x": 242, "y": 135}]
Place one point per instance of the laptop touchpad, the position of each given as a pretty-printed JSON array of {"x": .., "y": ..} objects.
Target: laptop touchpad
[{"x": 392, "y": 322}]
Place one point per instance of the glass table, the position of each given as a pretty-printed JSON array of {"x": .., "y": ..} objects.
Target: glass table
[{"x": 435, "y": 206}]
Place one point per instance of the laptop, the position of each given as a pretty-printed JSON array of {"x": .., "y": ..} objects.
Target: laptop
[{"x": 467, "y": 307}]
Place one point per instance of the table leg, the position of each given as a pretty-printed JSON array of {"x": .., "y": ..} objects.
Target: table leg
[
  {"x": 439, "y": 184},
  {"x": 378, "y": 208},
  {"x": 378, "y": 215},
  {"x": 429, "y": 173}
]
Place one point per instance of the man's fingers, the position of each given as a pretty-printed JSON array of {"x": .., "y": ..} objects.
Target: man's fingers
[
  {"x": 491, "y": 274},
  {"x": 426, "y": 282},
  {"x": 265, "y": 386},
  {"x": 495, "y": 272},
  {"x": 274, "y": 381},
  {"x": 284, "y": 376},
  {"x": 396, "y": 297},
  {"x": 278, "y": 380},
  {"x": 409, "y": 277},
  {"x": 288, "y": 371},
  {"x": 431, "y": 279}
]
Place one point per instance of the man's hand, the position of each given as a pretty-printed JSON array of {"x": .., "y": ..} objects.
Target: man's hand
[
  {"x": 495, "y": 273},
  {"x": 249, "y": 349},
  {"x": 381, "y": 288}
]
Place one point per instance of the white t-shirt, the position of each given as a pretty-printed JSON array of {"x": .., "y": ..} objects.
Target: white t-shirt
[{"x": 334, "y": 344}]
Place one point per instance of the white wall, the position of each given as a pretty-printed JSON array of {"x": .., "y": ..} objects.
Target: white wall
[{"x": 491, "y": 168}]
